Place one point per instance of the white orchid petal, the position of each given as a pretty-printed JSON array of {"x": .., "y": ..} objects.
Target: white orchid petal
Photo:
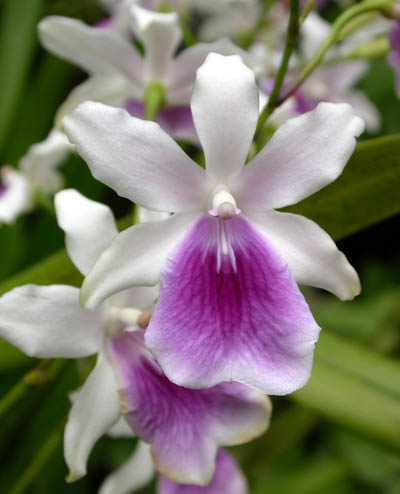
[
  {"x": 108, "y": 89},
  {"x": 136, "y": 158},
  {"x": 134, "y": 474},
  {"x": 225, "y": 113},
  {"x": 40, "y": 162},
  {"x": 89, "y": 227},
  {"x": 98, "y": 51},
  {"x": 304, "y": 155},
  {"x": 310, "y": 252},
  {"x": 135, "y": 257},
  {"x": 161, "y": 35},
  {"x": 48, "y": 322},
  {"x": 93, "y": 412},
  {"x": 15, "y": 195}
]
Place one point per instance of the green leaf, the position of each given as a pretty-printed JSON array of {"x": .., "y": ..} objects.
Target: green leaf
[
  {"x": 366, "y": 193},
  {"x": 359, "y": 399},
  {"x": 18, "y": 41}
]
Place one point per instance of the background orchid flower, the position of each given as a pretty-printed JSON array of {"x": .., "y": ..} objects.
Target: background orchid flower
[
  {"x": 229, "y": 308},
  {"x": 120, "y": 75},
  {"x": 138, "y": 471},
  {"x": 174, "y": 419},
  {"x": 337, "y": 82},
  {"x": 48, "y": 322},
  {"x": 37, "y": 172}
]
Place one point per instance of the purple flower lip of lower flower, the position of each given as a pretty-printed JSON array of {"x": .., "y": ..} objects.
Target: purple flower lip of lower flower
[{"x": 184, "y": 426}]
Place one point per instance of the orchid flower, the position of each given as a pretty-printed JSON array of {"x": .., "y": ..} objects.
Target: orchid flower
[
  {"x": 336, "y": 83},
  {"x": 37, "y": 171},
  {"x": 138, "y": 471},
  {"x": 229, "y": 307},
  {"x": 47, "y": 322},
  {"x": 120, "y": 75}
]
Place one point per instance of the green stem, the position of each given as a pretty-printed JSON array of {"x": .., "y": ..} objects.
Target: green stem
[
  {"x": 376, "y": 48},
  {"x": 46, "y": 370},
  {"x": 39, "y": 461},
  {"x": 337, "y": 27},
  {"x": 155, "y": 100},
  {"x": 290, "y": 44}
]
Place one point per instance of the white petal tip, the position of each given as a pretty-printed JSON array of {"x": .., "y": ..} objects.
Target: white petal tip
[{"x": 74, "y": 476}]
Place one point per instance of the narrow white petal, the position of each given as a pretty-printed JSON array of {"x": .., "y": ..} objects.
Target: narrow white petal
[
  {"x": 89, "y": 227},
  {"x": 48, "y": 322},
  {"x": 135, "y": 257},
  {"x": 134, "y": 474},
  {"x": 310, "y": 252},
  {"x": 98, "y": 51},
  {"x": 41, "y": 161},
  {"x": 93, "y": 412},
  {"x": 304, "y": 155},
  {"x": 161, "y": 35},
  {"x": 15, "y": 196},
  {"x": 136, "y": 158},
  {"x": 225, "y": 113},
  {"x": 111, "y": 90}
]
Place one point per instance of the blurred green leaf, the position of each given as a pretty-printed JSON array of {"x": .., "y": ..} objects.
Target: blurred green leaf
[
  {"x": 18, "y": 43},
  {"x": 353, "y": 402},
  {"x": 367, "y": 192},
  {"x": 360, "y": 362},
  {"x": 47, "y": 89},
  {"x": 314, "y": 476}
]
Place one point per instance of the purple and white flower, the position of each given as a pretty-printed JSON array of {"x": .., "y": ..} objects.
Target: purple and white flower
[
  {"x": 37, "y": 171},
  {"x": 120, "y": 75},
  {"x": 229, "y": 307},
  {"x": 48, "y": 322},
  {"x": 336, "y": 83}
]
